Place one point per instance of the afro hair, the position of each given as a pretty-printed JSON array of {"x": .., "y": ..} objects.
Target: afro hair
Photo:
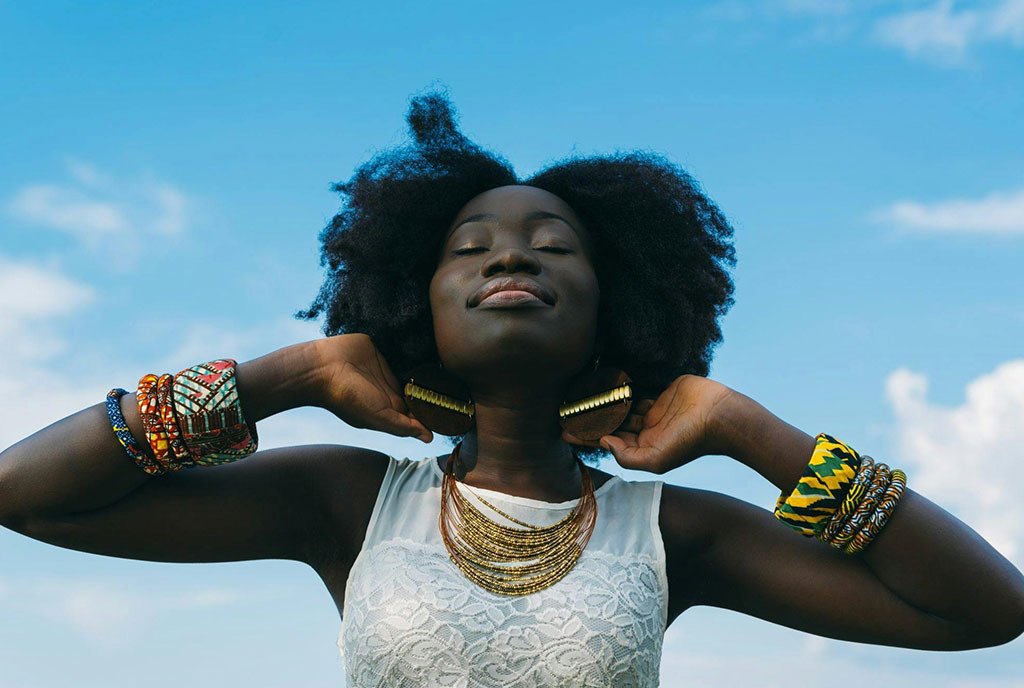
[{"x": 663, "y": 249}]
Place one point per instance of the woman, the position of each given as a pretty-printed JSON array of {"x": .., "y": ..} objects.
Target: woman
[{"x": 500, "y": 304}]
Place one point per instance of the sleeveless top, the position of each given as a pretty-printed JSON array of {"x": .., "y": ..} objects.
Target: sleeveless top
[{"x": 411, "y": 618}]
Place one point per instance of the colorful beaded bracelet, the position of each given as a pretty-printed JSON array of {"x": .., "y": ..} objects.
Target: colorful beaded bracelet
[
  {"x": 881, "y": 514},
  {"x": 124, "y": 434},
  {"x": 843, "y": 499},
  {"x": 180, "y": 457},
  {"x": 190, "y": 419},
  {"x": 867, "y": 504},
  {"x": 153, "y": 426}
]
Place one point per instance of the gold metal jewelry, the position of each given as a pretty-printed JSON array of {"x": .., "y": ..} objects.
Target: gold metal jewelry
[
  {"x": 510, "y": 560},
  {"x": 596, "y": 401},
  {"x": 416, "y": 392}
]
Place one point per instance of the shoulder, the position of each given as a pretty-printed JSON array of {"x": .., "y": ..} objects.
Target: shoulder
[
  {"x": 344, "y": 481},
  {"x": 691, "y": 520},
  {"x": 344, "y": 467}
]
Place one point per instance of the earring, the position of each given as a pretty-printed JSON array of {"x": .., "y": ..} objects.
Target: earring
[
  {"x": 439, "y": 400},
  {"x": 599, "y": 402}
]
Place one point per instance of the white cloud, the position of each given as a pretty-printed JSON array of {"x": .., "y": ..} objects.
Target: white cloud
[
  {"x": 965, "y": 458},
  {"x": 114, "y": 614},
  {"x": 69, "y": 209},
  {"x": 941, "y": 31},
  {"x": 30, "y": 291},
  {"x": 1007, "y": 21},
  {"x": 997, "y": 213},
  {"x": 98, "y": 209},
  {"x": 945, "y": 34},
  {"x": 35, "y": 301}
]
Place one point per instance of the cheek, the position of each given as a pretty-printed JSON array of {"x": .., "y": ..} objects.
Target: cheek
[
  {"x": 446, "y": 297},
  {"x": 589, "y": 292}
]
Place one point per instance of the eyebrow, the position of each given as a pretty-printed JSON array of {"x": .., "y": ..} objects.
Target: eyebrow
[{"x": 534, "y": 215}]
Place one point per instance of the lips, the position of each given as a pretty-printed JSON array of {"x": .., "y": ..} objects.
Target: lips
[{"x": 511, "y": 284}]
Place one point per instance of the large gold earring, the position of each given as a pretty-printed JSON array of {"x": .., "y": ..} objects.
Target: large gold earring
[
  {"x": 439, "y": 400},
  {"x": 598, "y": 402}
]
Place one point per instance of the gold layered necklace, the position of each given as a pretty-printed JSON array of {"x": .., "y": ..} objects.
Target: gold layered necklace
[{"x": 510, "y": 560}]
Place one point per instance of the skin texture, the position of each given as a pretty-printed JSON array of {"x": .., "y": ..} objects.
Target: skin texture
[{"x": 517, "y": 361}]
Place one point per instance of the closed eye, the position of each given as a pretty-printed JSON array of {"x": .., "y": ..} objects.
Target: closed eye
[{"x": 473, "y": 249}]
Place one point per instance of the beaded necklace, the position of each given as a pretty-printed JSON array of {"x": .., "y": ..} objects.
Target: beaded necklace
[{"x": 491, "y": 554}]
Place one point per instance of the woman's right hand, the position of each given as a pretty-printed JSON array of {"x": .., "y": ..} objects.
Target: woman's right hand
[{"x": 360, "y": 388}]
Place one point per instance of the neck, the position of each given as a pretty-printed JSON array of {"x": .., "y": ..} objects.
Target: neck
[{"x": 516, "y": 447}]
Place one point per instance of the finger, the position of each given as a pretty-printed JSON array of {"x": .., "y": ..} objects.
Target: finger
[
  {"x": 405, "y": 426},
  {"x": 626, "y": 451},
  {"x": 572, "y": 439}
]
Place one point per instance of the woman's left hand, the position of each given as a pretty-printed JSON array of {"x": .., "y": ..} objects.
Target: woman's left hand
[{"x": 670, "y": 431}]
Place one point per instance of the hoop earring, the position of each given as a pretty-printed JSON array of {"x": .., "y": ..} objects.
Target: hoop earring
[
  {"x": 598, "y": 402},
  {"x": 439, "y": 400}
]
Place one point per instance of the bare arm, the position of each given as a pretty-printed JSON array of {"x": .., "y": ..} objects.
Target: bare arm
[
  {"x": 305, "y": 503},
  {"x": 76, "y": 464},
  {"x": 927, "y": 581}
]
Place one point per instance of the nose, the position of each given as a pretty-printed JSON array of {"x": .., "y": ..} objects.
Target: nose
[{"x": 510, "y": 259}]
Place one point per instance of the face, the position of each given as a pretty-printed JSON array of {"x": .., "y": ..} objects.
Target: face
[{"x": 532, "y": 239}]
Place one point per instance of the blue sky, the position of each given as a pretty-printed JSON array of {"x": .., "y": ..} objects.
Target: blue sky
[{"x": 165, "y": 174}]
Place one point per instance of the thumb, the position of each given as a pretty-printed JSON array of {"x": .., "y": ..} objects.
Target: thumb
[
  {"x": 625, "y": 455},
  {"x": 407, "y": 426},
  {"x": 612, "y": 444}
]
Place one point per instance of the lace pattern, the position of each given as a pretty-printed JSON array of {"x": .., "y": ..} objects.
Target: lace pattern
[{"x": 423, "y": 625}]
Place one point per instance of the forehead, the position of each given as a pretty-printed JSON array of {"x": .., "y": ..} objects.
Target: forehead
[{"x": 518, "y": 203}]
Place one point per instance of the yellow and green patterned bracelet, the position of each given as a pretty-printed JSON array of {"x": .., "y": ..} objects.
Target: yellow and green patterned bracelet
[{"x": 822, "y": 487}]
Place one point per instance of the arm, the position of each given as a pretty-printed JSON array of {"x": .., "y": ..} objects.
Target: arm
[
  {"x": 76, "y": 464},
  {"x": 927, "y": 581},
  {"x": 72, "y": 485}
]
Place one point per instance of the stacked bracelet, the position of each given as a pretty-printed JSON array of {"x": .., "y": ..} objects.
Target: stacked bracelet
[
  {"x": 881, "y": 514},
  {"x": 169, "y": 417},
  {"x": 124, "y": 434},
  {"x": 865, "y": 474},
  {"x": 156, "y": 434},
  {"x": 190, "y": 419},
  {"x": 843, "y": 499},
  {"x": 867, "y": 504}
]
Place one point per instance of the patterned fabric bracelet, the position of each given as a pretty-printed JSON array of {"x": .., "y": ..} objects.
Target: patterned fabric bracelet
[
  {"x": 210, "y": 413},
  {"x": 852, "y": 500},
  {"x": 881, "y": 514},
  {"x": 822, "y": 487},
  {"x": 180, "y": 457},
  {"x": 879, "y": 484},
  {"x": 151, "y": 422},
  {"x": 124, "y": 434}
]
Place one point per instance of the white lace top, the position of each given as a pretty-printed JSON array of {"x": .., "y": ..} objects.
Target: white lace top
[{"x": 411, "y": 618}]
